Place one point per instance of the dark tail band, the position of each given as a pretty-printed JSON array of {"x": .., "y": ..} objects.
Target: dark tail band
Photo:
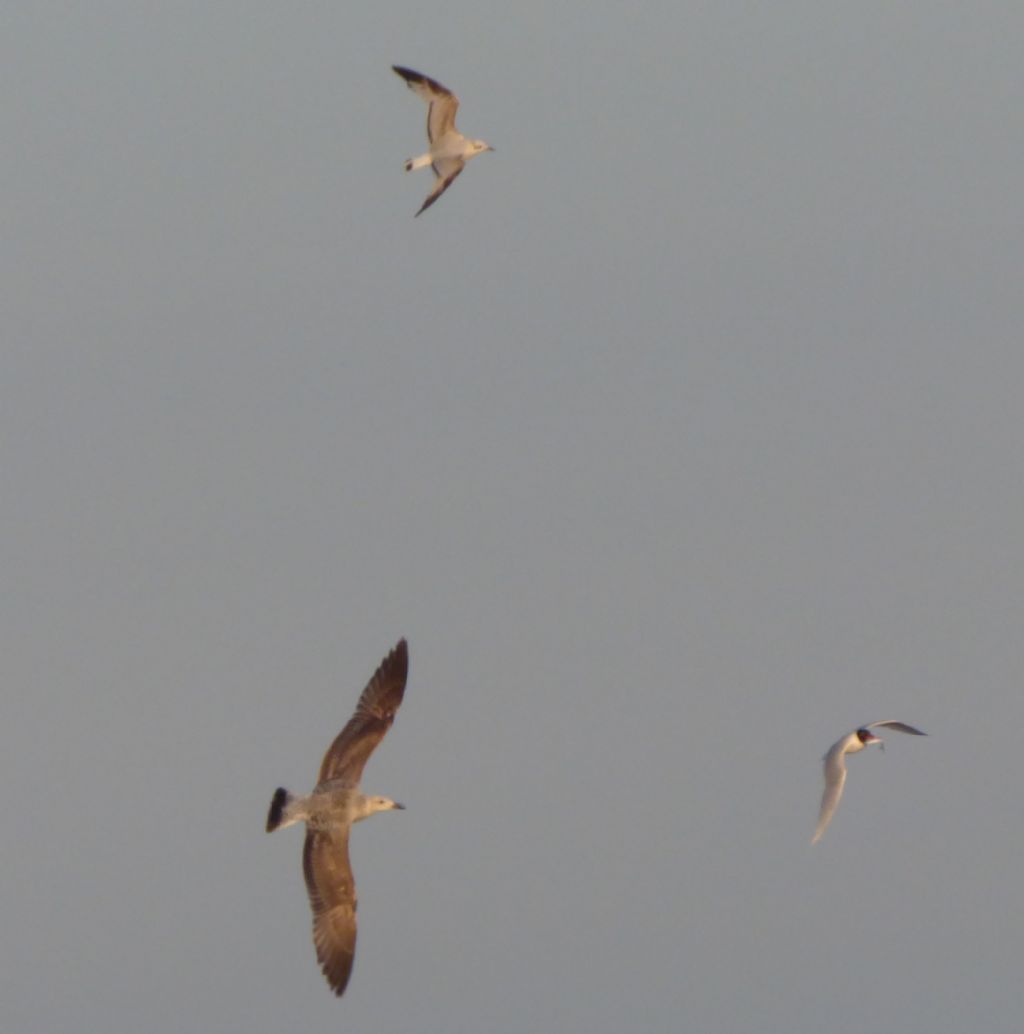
[{"x": 277, "y": 806}]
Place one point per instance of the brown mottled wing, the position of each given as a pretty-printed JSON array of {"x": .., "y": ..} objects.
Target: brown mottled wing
[
  {"x": 445, "y": 169},
  {"x": 372, "y": 718},
  {"x": 332, "y": 895},
  {"x": 442, "y": 104}
]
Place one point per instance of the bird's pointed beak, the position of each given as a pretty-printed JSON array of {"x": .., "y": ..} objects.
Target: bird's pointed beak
[
  {"x": 397, "y": 807},
  {"x": 489, "y": 148}
]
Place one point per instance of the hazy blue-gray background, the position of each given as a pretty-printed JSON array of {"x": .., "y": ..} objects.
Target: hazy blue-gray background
[{"x": 681, "y": 436}]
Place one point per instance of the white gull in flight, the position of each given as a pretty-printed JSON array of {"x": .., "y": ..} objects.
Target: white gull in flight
[
  {"x": 330, "y": 810},
  {"x": 449, "y": 149},
  {"x": 835, "y": 765}
]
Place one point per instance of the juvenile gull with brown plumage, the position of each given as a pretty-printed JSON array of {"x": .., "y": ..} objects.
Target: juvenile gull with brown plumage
[{"x": 330, "y": 810}]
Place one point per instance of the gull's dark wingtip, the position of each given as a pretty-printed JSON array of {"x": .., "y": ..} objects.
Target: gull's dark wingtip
[{"x": 398, "y": 659}]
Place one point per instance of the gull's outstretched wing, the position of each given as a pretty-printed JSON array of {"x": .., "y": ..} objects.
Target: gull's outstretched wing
[
  {"x": 898, "y": 726},
  {"x": 372, "y": 718},
  {"x": 332, "y": 896},
  {"x": 445, "y": 169},
  {"x": 442, "y": 103},
  {"x": 835, "y": 777}
]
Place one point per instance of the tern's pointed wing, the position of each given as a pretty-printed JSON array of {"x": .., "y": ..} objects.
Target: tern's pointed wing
[
  {"x": 332, "y": 896},
  {"x": 835, "y": 777},
  {"x": 898, "y": 726},
  {"x": 372, "y": 718},
  {"x": 442, "y": 103},
  {"x": 446, "y": 169}
]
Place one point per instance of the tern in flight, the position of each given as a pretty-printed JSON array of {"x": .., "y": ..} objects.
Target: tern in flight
[
  {"x": 330, "y": 810},
  {"x": 835, "y": 765},
  {"x": 449, "y": 149}
]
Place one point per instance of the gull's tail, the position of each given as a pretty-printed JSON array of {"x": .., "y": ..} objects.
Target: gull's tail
[
  {"x": 418, "y": 163},
  {"x": 281, "y": 799}
]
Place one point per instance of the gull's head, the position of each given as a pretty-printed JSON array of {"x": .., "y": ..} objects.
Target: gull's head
[
  {"x": 479, "y": 147},
  {"x": 371, "y": 805}
]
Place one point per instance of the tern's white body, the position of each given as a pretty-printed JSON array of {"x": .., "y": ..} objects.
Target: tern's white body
[{"x": 835, "y": 765}]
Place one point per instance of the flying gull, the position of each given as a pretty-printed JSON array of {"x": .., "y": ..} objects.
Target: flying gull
[
  {"x": 330, "y": 810},
  {"x": 835, "y": 765},
  {"x": 449, "y": 149}
]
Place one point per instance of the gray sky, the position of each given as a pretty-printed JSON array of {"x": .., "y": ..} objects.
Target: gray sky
[{"x": 681, "y": 436}]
